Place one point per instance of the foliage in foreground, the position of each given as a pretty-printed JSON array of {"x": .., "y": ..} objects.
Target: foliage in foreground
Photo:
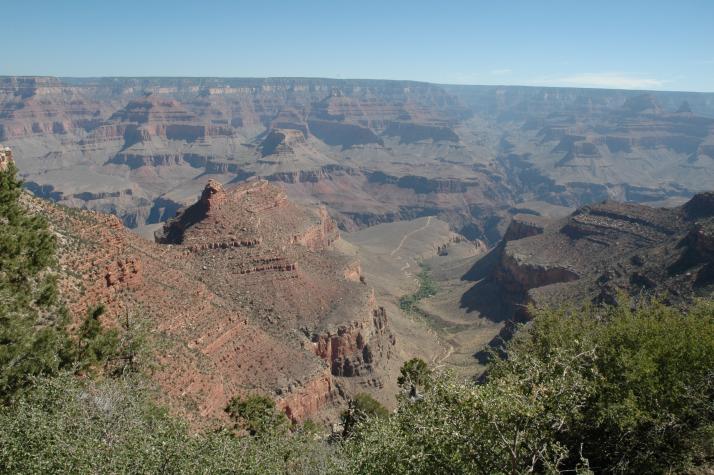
[
  {"x": 608, "y": 390},
  {"x": 603, "y": 390},
  {"x": 33, "y": 337},
  {"x": 67, "y": 426},
  {"x": 361, "y": 408},
  {"x": 32, "y": 340},
  {"x": 258, "y": 416}
]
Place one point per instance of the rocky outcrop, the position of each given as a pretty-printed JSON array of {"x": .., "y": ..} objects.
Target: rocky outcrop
[
  {"x": 300, "y": 402},
  {"x": 605, "y": 250},
  {"x": 516, "y": 275},
  {"x": 238, "y": 225},
  {"x": 353, "y": 271},
  {"x": 211, "y": 198},
  {"x": 281, "y": 142},
  {"x": 5, "y": 157},
  {"x": 254, "y": 246},
  {"x": 700, "y": 206},
  {"x": 228, "y": 300},
  {"x": 126, "y": 272},
  {"x": 525, "y": 225},
  {"x": 352, "y": 349},
  {"x": 321, "y": 235}
]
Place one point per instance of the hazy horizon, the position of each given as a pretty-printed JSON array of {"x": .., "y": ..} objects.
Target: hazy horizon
[{"x": 635, "y": 45}]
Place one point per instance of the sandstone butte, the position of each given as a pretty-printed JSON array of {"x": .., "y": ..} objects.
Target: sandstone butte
[{"x": 244, "y": 293}]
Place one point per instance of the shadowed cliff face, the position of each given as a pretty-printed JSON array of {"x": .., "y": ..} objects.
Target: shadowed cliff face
[
  {"x": 211, "y": 198},
  {"x": 597, "y": 254},
  {"x": 372, "y": 151},
  {"x": 604, "y": 249}
]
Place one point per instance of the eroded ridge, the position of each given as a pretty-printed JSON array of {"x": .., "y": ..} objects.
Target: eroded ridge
[
  {"x": 278, "y": 311},
  {"x": 609, "y": 248}
]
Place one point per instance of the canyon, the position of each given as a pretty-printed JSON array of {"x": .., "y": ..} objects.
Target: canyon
[
  {"x": 371, "y": 151},
  {"x": 267, "y": 229},
  {"x": 244, "y": 292}
]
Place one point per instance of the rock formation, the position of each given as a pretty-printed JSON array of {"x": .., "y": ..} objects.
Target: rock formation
[
  {"x": 245, "y": 294},
  {"x": 371, "y": 151},
  {"x": 601, "y": 250},
  {"x": 5, "y": 157}
]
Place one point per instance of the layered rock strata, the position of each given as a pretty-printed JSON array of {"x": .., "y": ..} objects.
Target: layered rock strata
[
  {"x": 610, "y": 248},
  {"x": 239, "y": 293}
]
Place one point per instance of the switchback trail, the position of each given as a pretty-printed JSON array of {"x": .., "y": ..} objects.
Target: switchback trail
[{"x": 410, "y": 233}]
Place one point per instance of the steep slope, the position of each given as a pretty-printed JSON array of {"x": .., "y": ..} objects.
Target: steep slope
[
  {"x": 601, "y": 250},
  {"x": 250, "y": 297}
]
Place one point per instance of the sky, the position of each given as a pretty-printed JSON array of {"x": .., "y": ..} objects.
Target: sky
[{"x": 628, "y": 44}]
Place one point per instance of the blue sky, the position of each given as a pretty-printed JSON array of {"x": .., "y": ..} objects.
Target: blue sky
[{"x": 623, "y": 44}]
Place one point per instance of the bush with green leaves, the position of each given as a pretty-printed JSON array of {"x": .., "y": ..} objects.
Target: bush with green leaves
[
  {"x": 257, "y": 415},
  {"x": 505, "y": 426},
  {"x": 361, "y": 408},
  {"x": 32, "y": 337},
  {"x": 427, "y": 288},
  {"x": 67, "y": 425},
  {"x": 414, "y": 375},
  {"x": 651, "y": 403},
  {"x": 94, "y": 343},
  {"x": 604, "y": 389}
]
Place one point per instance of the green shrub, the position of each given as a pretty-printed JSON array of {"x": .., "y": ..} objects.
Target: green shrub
[
  {"x": 257, "y": 415},
  {"x": 65, "y": 425},
  {"x": 427, "y": 288},
  {"x": 414, "y": 375},
  {"x": 32, "y": 337},
  {"x": 613, "y": 389},
  {"x": 652, "y": 377},
  {"x": 360, "y": 409}
]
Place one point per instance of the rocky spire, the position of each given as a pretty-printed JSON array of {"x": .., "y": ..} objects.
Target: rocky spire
[
  {"x": 173, "y": 230},
  {"x": 213, "y": 194},
  {"x": 5, "y": 157}
]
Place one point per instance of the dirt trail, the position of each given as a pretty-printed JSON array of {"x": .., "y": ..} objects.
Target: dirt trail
[
  {"x": 410, "y": 233},
  {"x": 438, "y": 361}
]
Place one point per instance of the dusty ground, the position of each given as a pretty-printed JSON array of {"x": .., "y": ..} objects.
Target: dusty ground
[{"x": 445, "y": 331}]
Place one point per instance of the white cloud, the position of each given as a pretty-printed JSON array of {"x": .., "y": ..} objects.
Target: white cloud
[
  {"x": 500, "y": 72},
  {"x": 605, "y": 80}
]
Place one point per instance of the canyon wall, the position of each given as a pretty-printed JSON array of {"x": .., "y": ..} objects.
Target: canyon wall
[{"x": 371, "y": 151}]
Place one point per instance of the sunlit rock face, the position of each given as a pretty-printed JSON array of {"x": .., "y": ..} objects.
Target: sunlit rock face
[
  {"x": 370, "y": 151},
  {"x": 247, "y": 293}
]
